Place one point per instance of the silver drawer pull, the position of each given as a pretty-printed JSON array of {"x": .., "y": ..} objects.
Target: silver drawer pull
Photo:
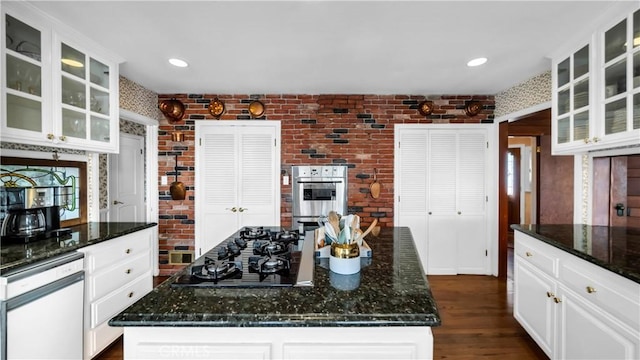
[{"x": 591, "y": 289}]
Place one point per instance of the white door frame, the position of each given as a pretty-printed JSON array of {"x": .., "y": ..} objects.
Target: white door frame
[
  {"x": 151, "y": 176},
  {"x": 141, "y": 204},
  {"x": 491, "y": 187},
  {"x": 199, "y": 200}
]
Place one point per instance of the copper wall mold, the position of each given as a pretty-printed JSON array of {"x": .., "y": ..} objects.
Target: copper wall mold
[
  {"x": 425, "y": 108},
  {"x": 172, "y": 109},
  {"x": 216, "y": 108},
  {"x": 256, "y": 108},
  {"x": 472, "y": 108}
]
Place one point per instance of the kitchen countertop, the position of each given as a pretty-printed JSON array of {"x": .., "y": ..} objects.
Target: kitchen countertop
[
  {"x": 392, "y": 291},
  {"x": 614, "y": 248},
  {"x": 13, "y": 255}
]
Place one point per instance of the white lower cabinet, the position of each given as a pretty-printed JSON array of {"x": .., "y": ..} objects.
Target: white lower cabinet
[
  {"x": 574, "y": 309},
  {"x": 387, "y": 342},
  {"x": 586, "y": 332},
  {"x": 533, "y": 308},
  {"x": 118, "y": 273}
]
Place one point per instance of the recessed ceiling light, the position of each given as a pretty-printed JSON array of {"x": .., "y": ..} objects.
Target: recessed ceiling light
[
  {"x": 477, "y": 62},
  {"x": 178, "y": 62}
]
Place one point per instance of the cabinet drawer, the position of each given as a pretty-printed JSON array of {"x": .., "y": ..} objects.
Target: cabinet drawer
[
  {"x": 111, "y": 279},
  {"x": 605, "y": 289},
  {"x": 109, "y": 306},
  {"x": 536, "y": 253},
  {"x": 112, "y": 251}
]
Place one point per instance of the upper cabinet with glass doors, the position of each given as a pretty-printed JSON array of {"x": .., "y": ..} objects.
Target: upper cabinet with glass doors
[
  {"x": 59, "y": 88},
  {"x": 572, "y": 110},
  {"x": 621, "y": 85},
  {"x": 596, "y": 90}
]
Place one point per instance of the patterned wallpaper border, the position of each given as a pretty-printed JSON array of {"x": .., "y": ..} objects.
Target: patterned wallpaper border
[{"x": 534, "y": 91}]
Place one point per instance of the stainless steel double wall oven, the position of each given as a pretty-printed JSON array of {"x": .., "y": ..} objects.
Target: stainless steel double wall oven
[{"x": 317, "y": 189}]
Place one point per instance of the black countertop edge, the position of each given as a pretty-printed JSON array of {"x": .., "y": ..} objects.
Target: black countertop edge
[
  {"x": 276, "y": 323},
  {"x": 16, "y": 255},
  {"x": 631, "y": 273}
]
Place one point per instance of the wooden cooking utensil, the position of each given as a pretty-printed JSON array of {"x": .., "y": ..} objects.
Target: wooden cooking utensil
[{"x": 374, "y": 188}]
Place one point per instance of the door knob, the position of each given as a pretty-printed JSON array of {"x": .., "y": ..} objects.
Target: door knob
[
  {"x": 116, "y": 202},
  {"x": 242, "y": 209}
]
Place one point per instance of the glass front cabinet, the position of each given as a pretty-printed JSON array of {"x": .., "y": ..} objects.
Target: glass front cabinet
[
  {"x": 59, "y": 89},
  {"x": 596, "y": 90}
]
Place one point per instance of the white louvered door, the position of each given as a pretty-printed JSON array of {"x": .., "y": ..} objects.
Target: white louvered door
[
  {"x": 411, "y": 177},
  {"x": 472, "y": 202},
  {"x": 441, "y": 187},
  {"x": 237, "y": 178},
  {"x": 441, "y": 202}
]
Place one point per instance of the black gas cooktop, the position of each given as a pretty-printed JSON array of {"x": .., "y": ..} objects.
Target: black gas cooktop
[{"x": 253, "y": 257}]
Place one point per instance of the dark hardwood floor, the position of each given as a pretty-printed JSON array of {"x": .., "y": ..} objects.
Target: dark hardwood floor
[{"x": 477, "y": 320}]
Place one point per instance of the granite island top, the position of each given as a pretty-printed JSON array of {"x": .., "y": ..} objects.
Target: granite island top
[
  {"x": 392, "y": 290},
  {"x": 14, "y": 255},
  {"x": 614, "y": 248}
]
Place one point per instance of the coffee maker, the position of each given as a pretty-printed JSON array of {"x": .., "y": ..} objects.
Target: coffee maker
[{"x": 32, "y": 213}]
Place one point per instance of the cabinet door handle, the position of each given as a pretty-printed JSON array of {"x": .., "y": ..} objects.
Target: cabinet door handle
[
  {"x": 116, "y": 202},
  {"x": 242, "y": 209},
  {"x": 459, "y": 212},
  {"x": 528, "y": 254},
  {"x": 591, "y": 289},
  {"x": 430, "y": 213},
  {"x": 233, "y": 209},
  {"x": 128, "y": 251},
  {"x": 550, "y": 294},
  {"x": 557, "y": 301},
  {"x": 128, "y": 271},
  {"x": 131, "y": 294}
]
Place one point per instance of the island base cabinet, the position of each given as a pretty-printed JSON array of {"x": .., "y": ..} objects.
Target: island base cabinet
[
  {"x": 409, "y": 342},
  {"x": 533, "y": 305},
  {"x": 586, "y": 332}
]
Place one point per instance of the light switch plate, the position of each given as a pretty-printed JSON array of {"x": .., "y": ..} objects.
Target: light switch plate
[{"x": 163, "y": 180}]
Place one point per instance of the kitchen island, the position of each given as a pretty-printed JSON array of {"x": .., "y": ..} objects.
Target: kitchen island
[{"x": 388, "y": 314}]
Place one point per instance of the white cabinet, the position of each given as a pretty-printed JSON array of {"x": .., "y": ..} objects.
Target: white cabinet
[
  {"x": 441, "y": 195},
  {"x": 574, "y": 309},
  {"x": 596, "y": 88},
  {"x": 118, "y": 273},
  {"x": 59, "y": 88},
  {"x": 237, "y": 178},
  {"x": 535, "y": 310},
  {"x": 345, "y": 342}
]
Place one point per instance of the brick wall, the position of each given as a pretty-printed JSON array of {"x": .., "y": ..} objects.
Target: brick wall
[{"x": 355, "y": 130}]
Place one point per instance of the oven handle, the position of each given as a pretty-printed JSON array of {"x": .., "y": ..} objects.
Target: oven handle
[{"x": 318, "y": 182}]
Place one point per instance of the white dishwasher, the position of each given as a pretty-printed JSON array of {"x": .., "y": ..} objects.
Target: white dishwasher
[{"x": 41, "y": 309}]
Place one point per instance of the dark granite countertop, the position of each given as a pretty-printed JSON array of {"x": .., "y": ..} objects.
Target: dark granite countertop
[
  {"x": 614, "y": 248},
  {"x": 392, "y": 291},
  {"x": 14, "y": 255}
]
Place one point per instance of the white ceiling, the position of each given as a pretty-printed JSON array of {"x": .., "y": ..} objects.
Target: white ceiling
[{"x": 319, "y": 47}]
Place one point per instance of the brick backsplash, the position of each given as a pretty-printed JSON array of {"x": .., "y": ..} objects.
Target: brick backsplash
[{"x": 354, "y": 130}]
